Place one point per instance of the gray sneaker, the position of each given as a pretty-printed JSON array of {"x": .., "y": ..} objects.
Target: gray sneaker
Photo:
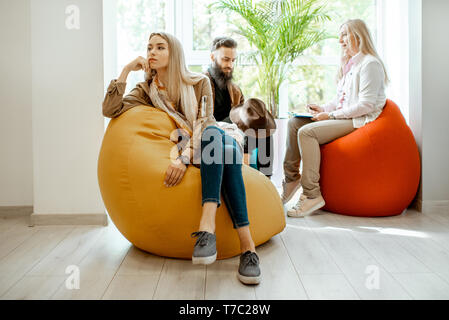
[
  {"x": 205, "y": 250},
  {"x": 249, "y": 271}
]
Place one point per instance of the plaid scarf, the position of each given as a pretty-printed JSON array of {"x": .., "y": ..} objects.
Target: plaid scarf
[{"x": 187, "y": 120}]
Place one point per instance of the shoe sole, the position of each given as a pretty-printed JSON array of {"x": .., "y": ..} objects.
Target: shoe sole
[
  {"x": 204, "y": 260},
  {"x": 292, "y": 194},
  {"x": 308, "y": 213},
  {"x": 249, "y": 280}
]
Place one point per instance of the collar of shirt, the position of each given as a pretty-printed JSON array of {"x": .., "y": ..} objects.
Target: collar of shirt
[
  {"x": 353, "y": 61},
  {"x": 357, "y": 58}
]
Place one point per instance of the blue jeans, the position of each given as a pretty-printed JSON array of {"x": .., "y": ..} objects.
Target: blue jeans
[{"x": 221, "y": 170}]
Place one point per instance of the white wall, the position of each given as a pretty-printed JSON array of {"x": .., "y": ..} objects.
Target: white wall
[
  {"x": 16, "y": 162},
  {"x": 435, "y": 102},
  {"x": 109, "y": 42},
  {"x": 67, "y": 92},
  {"x": 415, "y": 80},
  {"x": 393, "y": 46}
]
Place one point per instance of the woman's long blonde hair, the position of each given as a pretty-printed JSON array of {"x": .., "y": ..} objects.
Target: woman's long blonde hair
[
  {"x": 180, "y": 78},
  {"x": 361, "y": 33}
]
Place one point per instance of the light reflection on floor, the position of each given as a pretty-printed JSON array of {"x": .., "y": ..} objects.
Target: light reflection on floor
[
  {"x": 398, "y": 232},
  {"x": 388, "y": 231}
]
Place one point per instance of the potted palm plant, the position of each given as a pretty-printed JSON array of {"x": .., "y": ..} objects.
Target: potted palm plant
[{"x": 280, "y": 31}]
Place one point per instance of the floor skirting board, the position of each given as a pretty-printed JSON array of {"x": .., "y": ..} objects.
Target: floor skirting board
[
  {"x": 16, "y": 211},
  {"x": 438, "y": 206},
  {"x": 41, "y": 219}
]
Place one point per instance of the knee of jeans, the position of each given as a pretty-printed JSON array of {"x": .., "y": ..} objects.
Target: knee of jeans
[{"x": 211, "y": 131}]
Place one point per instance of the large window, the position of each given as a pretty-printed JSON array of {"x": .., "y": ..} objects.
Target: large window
[
  {"x": 136, "y": 19},
  {"x": 312, "y": 78}
]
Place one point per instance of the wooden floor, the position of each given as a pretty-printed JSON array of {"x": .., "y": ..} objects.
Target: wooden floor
[{"x": 325, "y": 256}]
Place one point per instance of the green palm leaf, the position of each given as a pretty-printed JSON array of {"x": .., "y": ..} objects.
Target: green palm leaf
[{"x": 280, "y": 30}]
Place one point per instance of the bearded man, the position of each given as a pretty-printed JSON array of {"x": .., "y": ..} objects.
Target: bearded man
[{"x": 227, "y": 95}]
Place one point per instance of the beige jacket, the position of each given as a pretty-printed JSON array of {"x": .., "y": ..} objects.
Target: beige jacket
[{"x": 115, "y": 104}]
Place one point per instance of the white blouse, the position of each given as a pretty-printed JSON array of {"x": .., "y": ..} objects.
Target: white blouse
[{"x": 361, "y": 92}]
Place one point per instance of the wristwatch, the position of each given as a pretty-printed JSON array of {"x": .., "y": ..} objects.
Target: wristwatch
[
  {"x": 331, "y": 116},
  {"x": 184, "y": 159}
]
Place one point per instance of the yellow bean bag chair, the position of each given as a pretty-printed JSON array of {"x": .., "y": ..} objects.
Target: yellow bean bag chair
[{"x": 134, "y": 157}]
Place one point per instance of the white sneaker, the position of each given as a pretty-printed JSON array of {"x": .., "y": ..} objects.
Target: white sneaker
[
  {"x": 306, "y": 206},
  {"x": 289, "y": 189}
]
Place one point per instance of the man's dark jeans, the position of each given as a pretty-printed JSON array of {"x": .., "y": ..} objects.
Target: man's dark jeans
[{"x": 265, "y": 153}]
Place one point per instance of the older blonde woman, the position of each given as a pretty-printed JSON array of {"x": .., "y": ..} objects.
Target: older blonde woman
[
  {"x": 360, "y": 99},
  {"x": 187, "y": 98}
]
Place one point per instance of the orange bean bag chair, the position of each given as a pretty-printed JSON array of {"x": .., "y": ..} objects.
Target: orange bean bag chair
[
  {"x": 133, "y": 160},
  {"x": 373, "y": 171}
]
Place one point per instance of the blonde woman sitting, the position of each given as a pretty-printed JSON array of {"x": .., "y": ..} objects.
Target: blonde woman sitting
[{"x": 360, "y": 99}]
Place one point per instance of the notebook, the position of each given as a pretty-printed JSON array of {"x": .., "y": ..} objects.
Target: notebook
[{"x": 301, "y": 114}]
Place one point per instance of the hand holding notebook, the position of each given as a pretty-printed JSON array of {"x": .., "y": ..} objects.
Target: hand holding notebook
[{"x": 301, "y": 114}]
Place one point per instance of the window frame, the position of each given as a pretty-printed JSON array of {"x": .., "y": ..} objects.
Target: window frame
[
  {"x": 179, "y": 22},
  {"x": 184, "y": 10}
]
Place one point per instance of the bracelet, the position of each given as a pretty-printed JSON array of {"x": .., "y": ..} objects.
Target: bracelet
[{"x": 331, "y": 116}]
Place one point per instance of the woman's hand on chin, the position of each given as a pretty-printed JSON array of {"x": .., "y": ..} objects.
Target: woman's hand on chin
[
  {"x": 140, "y": 63},
  {"x": 321, "y": 116},
  {"x": 175, "y": 173}
]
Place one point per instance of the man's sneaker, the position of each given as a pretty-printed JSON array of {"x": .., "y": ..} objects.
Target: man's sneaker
[
  {"x": 205, "y": 250},
  {"x": 306, "y": 206},
  {"x": 249, "y": 271},
  {"x": 289, "y": 189}
]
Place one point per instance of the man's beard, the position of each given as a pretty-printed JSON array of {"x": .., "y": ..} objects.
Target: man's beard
[{"x": 221, "y": 79}]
